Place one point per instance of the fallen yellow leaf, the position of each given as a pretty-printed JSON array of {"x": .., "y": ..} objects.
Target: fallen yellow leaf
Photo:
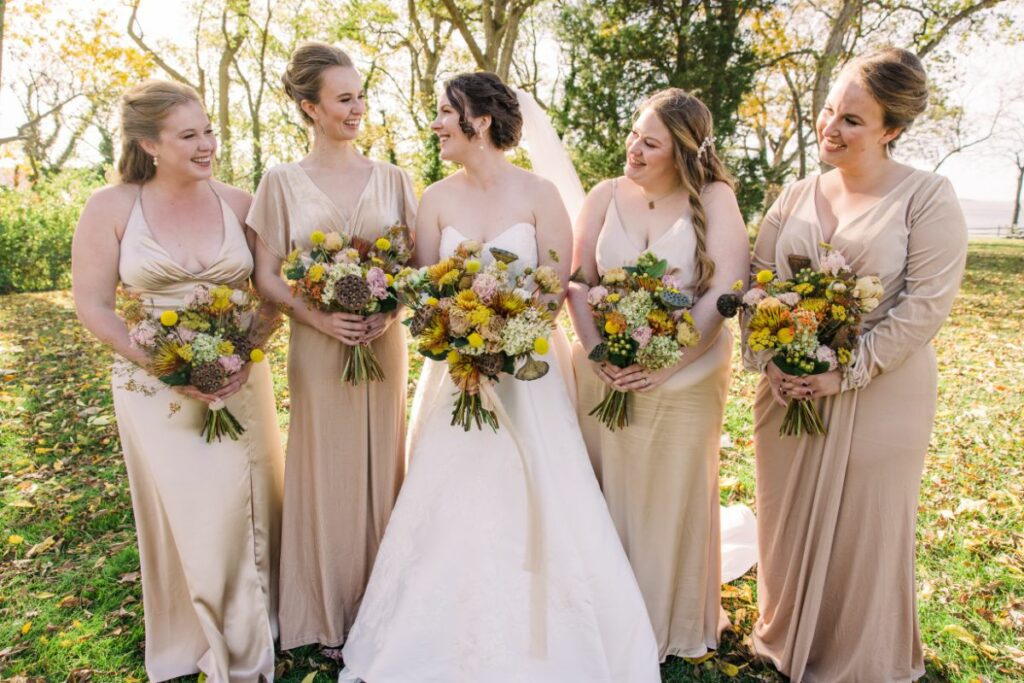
[
  {"x": 959, "y": 632},
  {"x": 728, "y": 668},
  {"x": 26, "y": 628}
]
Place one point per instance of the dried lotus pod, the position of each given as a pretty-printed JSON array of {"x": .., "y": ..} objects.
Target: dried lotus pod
[
  {"x": 352, "y": 293},
  {"x": 207, "y": 377}
]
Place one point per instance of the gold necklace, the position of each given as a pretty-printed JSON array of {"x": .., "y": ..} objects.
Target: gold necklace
[{"x": 650, "y": 202}]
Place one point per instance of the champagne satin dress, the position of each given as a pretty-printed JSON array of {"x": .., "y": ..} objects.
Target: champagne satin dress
[
  {"x": 660, "y": 474},
  {"x": 837, "y": 512},
  {"x": 207, "y": 515},
  {"x": 346, "y": 444}
]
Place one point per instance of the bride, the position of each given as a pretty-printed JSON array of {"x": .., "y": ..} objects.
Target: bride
[{"x": 464, "y": 589}]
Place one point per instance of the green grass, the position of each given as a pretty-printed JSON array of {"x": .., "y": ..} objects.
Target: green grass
[{"x": 70, "y": 595}]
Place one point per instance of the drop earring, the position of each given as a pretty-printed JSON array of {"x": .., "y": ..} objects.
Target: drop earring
[{"x": 156, "y": 161}]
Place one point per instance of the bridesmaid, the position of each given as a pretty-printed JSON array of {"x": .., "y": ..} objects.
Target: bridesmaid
[
  {"x": 660, "y": 474},
  {"x": 346, "y": 450},
  {"x": 207, "y": 515},
  {"x": 837, "y": 512}
]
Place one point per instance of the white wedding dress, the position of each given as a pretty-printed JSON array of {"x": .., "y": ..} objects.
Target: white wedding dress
[{"x": 500, "y": 563}]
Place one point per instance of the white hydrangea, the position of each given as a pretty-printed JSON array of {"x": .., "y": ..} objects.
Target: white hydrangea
[
  {"x": 519, "y": 333},
  {"x": 204, "y": 348},
  {"x": 635, "y": 306}
]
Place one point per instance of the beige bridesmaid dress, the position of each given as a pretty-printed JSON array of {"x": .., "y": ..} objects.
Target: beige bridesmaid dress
[
  {"x": 837, "y": 512},
  {"x": 660, "y": 474},
  {"x": 207, "y": 515},
  {"x": 346, "y": 444}
]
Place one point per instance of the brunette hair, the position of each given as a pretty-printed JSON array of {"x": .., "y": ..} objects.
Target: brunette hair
[
  {"x": 304, "y": 74},
  {"x": 897, "y": 81},
  {"x": 143, "y": 111},
  {"x": 689, "y": 122},
  {"x": 484, "y": 94}
]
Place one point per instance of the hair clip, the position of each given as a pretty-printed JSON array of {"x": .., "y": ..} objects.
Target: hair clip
[{"x": 704, "y": 146}]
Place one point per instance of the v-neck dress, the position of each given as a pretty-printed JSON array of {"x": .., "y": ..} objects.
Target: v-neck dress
[
  {"x": 660, "y": 474},
  {"x": 207, "y": 515},
  {"x": 346, "y": 444},
  {"x": 837, "y": 513}
]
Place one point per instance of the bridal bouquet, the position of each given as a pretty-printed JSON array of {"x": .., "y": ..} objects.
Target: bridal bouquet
[
  {"x": 346, "y": 274},
  {"x": 644, "y": 319},
  {"x": 484, "y": 321},
  {"x": 810, "y": 322},
  {"x": 201, "y": 344}
]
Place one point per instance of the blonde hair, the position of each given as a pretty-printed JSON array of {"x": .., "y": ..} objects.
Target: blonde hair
[
  {"x": 896, "y": 80},
  {"x": 143, "y": 111},
  {"x": 689, "y": 122},
  {"x": 304, "y": 74}
]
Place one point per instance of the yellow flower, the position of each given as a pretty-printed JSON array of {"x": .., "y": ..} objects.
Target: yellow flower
[
  {"x": 466, "y": 300},
  {"x": 256, "y": 355},
  {"x": 610, "y": 327},
  {"x": 540, "y": 345},
  {"x": 389, "y": 278},
  {"x": 614, "y": 275},
  {"x": 185, "y": 352},
  {"x": 475, "y": 340},
  {"x": 168, "y": 318},
  {"x": 26, "y": 628},
  {"x": 315, "y": 273},
  {"x": 613, "y": 297},
  {"x": 844, "y": 356},
  {"x": 382, "y": 243},
  {"x": 785, "y": 335},
  {"x": 225, "y": 348},
  {"x": 804, "y": 288},
  {"x": 838, "y": 312},
  {"x": 480, "y": 316},
  {"x": 453, "y": 356},
  {"x": 317, "y": 237},
  {"x": 15, "y": 539},
  {"x": 432, "y": 301},
  {"x": 765, "y": 276},
  {"x": 737, "y": 286},
  {"x": 450, "y": 278},
  {"x": 472, "y": 266}
]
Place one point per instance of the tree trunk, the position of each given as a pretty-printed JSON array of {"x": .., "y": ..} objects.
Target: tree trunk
[
  {"x": 1015, "y": 223},
  {"x": 3, "y": 7},
  {"x": 831, "y": 54},
  {"x": 232, "y": 43}
]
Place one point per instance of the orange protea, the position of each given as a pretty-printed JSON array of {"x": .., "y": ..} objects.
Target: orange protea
[
  {"x": 814, "y": 304},
  {"x": 434, "y": 338},
  {"x": 166, "y": 359},
  {"x": 660, "y": 322},
  {"x": 440, "y": 269},
  {"x": 508, "y": 303},
  {"x": 463, "y": 371},
  {"x": 651, "y": 284},
  {"x": 467, "y": 300}
]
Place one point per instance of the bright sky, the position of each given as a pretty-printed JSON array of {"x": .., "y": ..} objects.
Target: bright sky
[{"x": 984, "y": 172}]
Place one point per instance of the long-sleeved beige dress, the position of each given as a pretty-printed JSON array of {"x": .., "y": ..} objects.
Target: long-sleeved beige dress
[
  {"x": 659, "y": 475},
  {"x": 207, "y": 515},
  {"x": 836, "y": 513},
  {"x": 346, "y": 444}
]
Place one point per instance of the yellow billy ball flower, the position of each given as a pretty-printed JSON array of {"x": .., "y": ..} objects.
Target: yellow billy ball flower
[
  {"x": 256, "y": 355},
  {"x": 315, "y": 273},
  {"x": 389, "y": 278},
  {"x": 453, "y": 356},
  {"x": 382, "y": 243},
  {"x": 472, "y": 266},
  {"x": 475, "y": 340},
  {"x": 317, "y": 237},
  {"x": 540, "y": 345},
  {"x": 610, "y": 327},
  {"x": 765, "y": 276},
  {"x": 785, "y": 335},
  {"x": 432, "y": 301},
  {"x": 168, "y": 318}
]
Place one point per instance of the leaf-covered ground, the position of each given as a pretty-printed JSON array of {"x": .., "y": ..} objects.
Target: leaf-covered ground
[{"x": 69, "y": 570}]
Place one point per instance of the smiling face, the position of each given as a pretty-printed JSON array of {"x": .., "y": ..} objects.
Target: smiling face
[
  {"x": 342, "y": 104},
  {"x": 455, "y": 144},
  {"x": 186, "y": 146},
  {"x": 850, "y": 127},
  {"x": 650, "y": 153}
]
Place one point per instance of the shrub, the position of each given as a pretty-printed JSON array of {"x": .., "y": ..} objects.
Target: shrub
[{"x": 36, "y": 225}]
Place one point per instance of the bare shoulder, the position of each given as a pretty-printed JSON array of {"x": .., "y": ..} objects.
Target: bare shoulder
[
  {"x": 718, "y": 192},
  {"x": 445, "y": 188},
  {"x": 109, "y": 207},
  {"x": 239, "y": 200},
  {"x": 602, "y": 192}
]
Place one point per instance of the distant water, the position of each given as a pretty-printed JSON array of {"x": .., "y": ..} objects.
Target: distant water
[{"x": 987, "y": 218}]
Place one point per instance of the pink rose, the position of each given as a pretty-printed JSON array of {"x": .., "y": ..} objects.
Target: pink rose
[
  {"x": 231, "y": 364},
  {"x": 642, "y": 335},
  {"x": 596, "y": 295},
  {"x": 378, "y": 283}
]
